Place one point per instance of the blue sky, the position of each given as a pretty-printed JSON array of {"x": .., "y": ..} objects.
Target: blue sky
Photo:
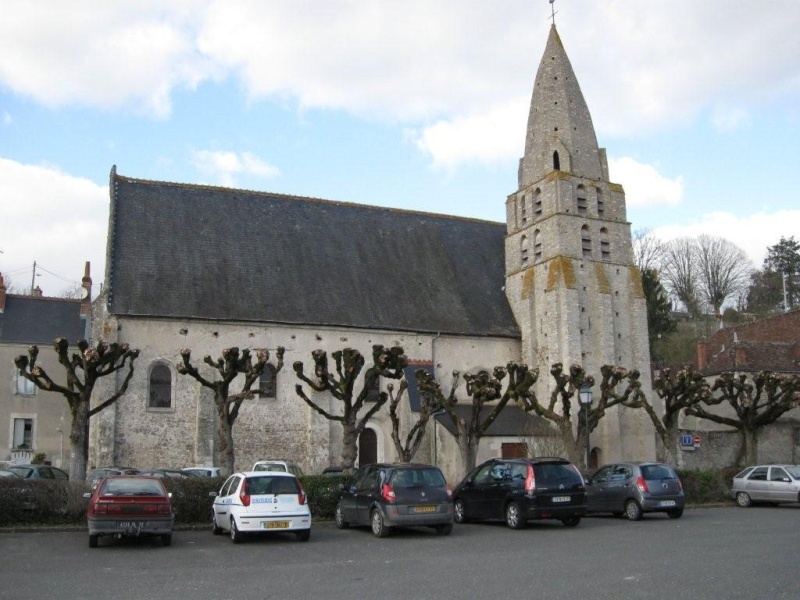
[{"x": 417, "y": 105}]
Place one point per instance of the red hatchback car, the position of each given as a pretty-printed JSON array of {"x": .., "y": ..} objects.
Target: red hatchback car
[{"x": 130, "y": 505}]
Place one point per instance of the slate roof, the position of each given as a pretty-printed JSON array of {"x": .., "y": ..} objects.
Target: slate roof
[
  {"x": 35, "y": 320},
  {"x": 512, "y": 421},
  {"x": 190, "y": 251}
]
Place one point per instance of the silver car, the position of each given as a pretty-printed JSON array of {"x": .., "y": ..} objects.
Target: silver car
[
  {"x": 771, "y": 484},
  {"x": 634, "y": 488}
]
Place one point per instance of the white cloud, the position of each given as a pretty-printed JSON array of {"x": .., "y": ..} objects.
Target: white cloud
[
  {"x": 223, "y": 167},
  {"x": 54, "y": 219},
  {"x": 644, "y": 185},
  {"x": 725, "y": 118},
  {"x": 753, "y": 233}
]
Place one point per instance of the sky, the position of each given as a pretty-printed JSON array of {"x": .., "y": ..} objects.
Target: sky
[{"x": 418, "y": 105}]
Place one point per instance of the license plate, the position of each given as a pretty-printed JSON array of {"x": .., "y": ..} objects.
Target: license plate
[
  {"x": 276, "y": 525},
  {"x": 561, "y": 499},
  {"x": 423, "y": 509},
  {"x": 667, "y": 503},
  {"x": 128, "y": 525}
]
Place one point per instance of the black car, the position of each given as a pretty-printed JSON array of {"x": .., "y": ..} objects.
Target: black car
[
  {"x": 520, "y": 490},
  {"x": 635, "y": 488},
  {"x": 384, "y": 496}
]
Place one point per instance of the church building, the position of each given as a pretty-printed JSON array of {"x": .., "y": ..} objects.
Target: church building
[{"x": 207, "y": 268}]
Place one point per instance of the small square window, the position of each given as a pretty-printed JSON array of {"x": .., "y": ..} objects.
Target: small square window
[{"x": 24, "y": 387}]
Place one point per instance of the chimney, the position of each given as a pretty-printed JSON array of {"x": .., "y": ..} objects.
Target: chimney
[
  {"x": 86, "y": 292},
  {"x": 2, "y": 294},
  {"x": 702, "y": 355}
]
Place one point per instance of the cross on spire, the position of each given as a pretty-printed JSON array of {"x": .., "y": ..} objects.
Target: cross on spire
[{"x": 553, "y": 11}]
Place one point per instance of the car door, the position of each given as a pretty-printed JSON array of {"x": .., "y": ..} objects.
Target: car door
[
  {"x": 368, "y": 491},
  {"x": 781, "y": 487},
  {"x": 222, "y": 501},
  {"x": 756, "y": 484},
  {"x": 596, "y": 490},
  {"x": 474, "y": 489},
  {"x": 347, "y": 499}
]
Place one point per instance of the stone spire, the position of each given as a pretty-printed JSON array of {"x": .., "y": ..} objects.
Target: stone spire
[{"x": 559, "y": 123}]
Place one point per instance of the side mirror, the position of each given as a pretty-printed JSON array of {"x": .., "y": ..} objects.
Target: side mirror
[
  {"x": 212, "y": 494},
  {"x": 87, "y": 495}
]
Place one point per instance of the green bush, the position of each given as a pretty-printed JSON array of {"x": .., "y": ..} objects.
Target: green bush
[
  {"x": 41, "y": 502},
  {"x": 707, "y": 486}
]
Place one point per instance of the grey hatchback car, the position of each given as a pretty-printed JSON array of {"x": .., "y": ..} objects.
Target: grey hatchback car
[
  {"x": 634, "y": 488},
  {"x": 770, "y": 484}
]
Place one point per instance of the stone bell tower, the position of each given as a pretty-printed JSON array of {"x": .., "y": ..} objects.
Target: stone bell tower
[{"x": 570, "y": 278}]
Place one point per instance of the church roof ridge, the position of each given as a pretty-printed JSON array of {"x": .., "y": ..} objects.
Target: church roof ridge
[{"x": 284, "y": 196}]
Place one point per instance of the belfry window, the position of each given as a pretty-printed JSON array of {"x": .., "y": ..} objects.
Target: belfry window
[
  {"x": 605, "y": 245},
  {"x": 523, "y": 208},
  {"x": 537, "y": 245},
  {"x": 537, "y": 203},
  {"x": 600, "y": 206},
  {"x": 523, "y": 250},
  {"x": 556, "y": 161},
  {"x": 581, "y": 199},
  {"x": 586, "y": 242}
]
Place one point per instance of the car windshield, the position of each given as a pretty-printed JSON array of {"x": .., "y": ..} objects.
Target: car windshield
[
  {"x": 652, "y": 472},
  {"x": 267, "y": 485},
  {"x": 132, "y": 487},
  {"x": 418, "y": 477}
]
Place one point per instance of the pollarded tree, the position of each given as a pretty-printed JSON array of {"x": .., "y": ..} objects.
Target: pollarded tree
[
  {"x": 559, "y": 409},
  {"x": 756, "y": 402},
  {"x": 407, "y": 448},
  {"x": 232, "y": 364},
  {"x": 482, "y": 388},
  {"x": 685, "y": 389},
  {"x": 83, "y": 369},
  {"x": 386, "y": 362}
]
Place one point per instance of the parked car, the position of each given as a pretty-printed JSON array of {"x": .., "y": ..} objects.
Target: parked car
[
  {"x": 203, "y": 471},
  {"x": 285, "y": 466},
  {"x": 385, "y": 496},
  {"x": 129, "y": 505},
  {"x": 520, "y": 490},
  {"x": 38, "y": 472},
  {"x": 773, "y": 484},
  {"x": 96, "y": 475},
  {"x": 261, "y": 501},
  {"x": 4, "y": 473},
  {"x": 635, "y": 488},
  {"x": 173, "y": 473}
]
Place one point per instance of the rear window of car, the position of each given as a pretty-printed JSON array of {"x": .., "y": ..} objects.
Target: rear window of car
[
  {"x": 794, "y": 472},
  {"x": 266, "y": 485},
  {"x": 417, "y": 477},
  {"x": 271, "y": 467},
  {"x": 743, "y": 473},
  {"x": 556, "y": 473},
  {"x": 132, "y": 487},
  {"x": 658, "y": 472}
]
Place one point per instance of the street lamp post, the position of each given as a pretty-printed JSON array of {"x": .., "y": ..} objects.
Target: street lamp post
[{"x": 585, "y": 395}]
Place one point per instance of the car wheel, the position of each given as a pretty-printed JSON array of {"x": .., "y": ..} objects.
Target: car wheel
[
  {"x": 93, "y": 541},
  {"x": 236, "y": 535},
  {"x": 304, "y": 535},
  {"x": 675, "y": 514},
  {"x": 571, "y": 521},
  {"x": 443, "y": 529},
  {"x": 379, "y": 528},
  {"x": 459, "y": 512},
  {"x": 166, "y": 540},
  {"x": 743, "y": 499},
  {"x": 514, "y": 516},
  {"x": 339, "y": 518},
  {"x": 215, "y": 529},
  {"x": 632, "y": 510}
]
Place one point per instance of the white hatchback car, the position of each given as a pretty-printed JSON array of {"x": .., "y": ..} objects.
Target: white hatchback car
[{"x": 261, "y": 501}]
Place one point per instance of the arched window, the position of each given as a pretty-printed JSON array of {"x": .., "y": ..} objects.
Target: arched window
[
  {"x": 556, "y": 162},
  {"x": 523, "y": 250},
  {"x": 586, "y": 242},
  {"x": 160, "y": 392},
  {"x": 523, "y": 208},
  {"x": 600, "y": 206},
  {"x": 581, "y": 199},
  {"x": 268, "y": 382},
  {"x": 605, "y": 245},
  {"x": 537, "y": 245},
  {"x": 537, "y": 203}
]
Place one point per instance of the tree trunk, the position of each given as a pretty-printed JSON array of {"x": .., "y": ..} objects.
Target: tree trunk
[
  {"x": 79, "y": 441},
  {"x": 748, "y": 454},
  {"x": 226, "y": 459},
  {"x": 469, "y": 453},
  {"x": 349, "y": 446},
  {"x": 668, "y": 446}
]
